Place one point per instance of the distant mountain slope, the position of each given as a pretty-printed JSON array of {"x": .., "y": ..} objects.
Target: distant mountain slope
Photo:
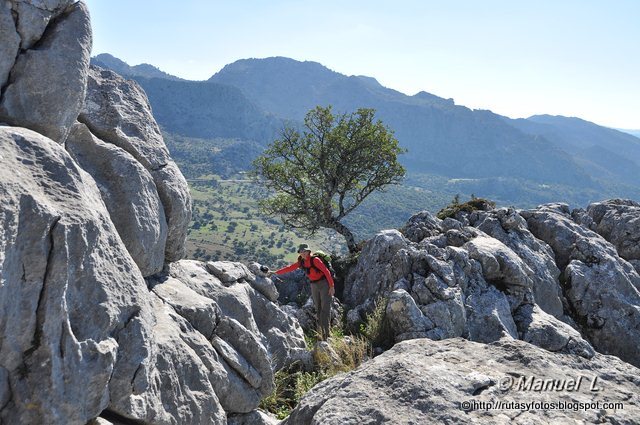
[
  {"x": 452, "y": 149},
  {"x": 635, "y": 133},
  {"x": 205, "y": 110},
  {"x": 601, "y": 151},
  {"x": 289, "y": 88},
  {"x": 106, "y": 60},
  {"x": 442, "y": 138}
]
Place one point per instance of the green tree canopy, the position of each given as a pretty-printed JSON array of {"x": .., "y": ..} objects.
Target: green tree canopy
[{"x": 323, "y": 173}]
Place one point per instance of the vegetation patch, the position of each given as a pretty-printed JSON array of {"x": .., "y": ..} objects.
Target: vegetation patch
[
  {"x": 343, "y": 354},
  {"x": 474, "y": 204}
]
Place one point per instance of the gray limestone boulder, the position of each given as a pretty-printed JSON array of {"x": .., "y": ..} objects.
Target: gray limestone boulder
[
  {"x": 601, "y": 287},
  {"x": 244, "y": 373},
  {"x": 421, "y": 226},
  {"x": 229, "y": 272},
  {"x": 262, "y": 283},
  {"x": 384, "y": 262},
  {"x": 458, "y": 281},
  {"x": 61, "y": 262},
  {"x": 10, "y": 44},
  {"x": 280, "y": 333},
  {"x": 47, "y": 86},
  {"x": 117, "y": 111},
  {"x": 539, "y": 328},
  {"x": 129, "y": 193},
  {"x": 176, "y": 200},
  {"x": 82, "y": 333},
  {"x": 459, "y": 381},
  {"x": 165, "y": 371},
  {"x": 35, "y": 16},
  {"x": 510, "y": 228},
  {"x": 489, "y": 316},
  {"x": 618, "y": 221}
]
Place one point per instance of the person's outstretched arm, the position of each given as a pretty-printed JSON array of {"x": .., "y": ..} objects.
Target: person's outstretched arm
[{"x": 289, "y": 268}]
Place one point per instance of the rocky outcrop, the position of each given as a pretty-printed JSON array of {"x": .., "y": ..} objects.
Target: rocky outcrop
[
  {"x": 618, "y": 221},
  {"x": 129, "y": 193},
  {"x": 117, "y": 111},
  {"x": 532, "y": 275},
  {"x": 237, "y": 297},
  {"x": 190, "y": 350},
  {"x": 510, "y": 228},
  {"x": 87, "y": 210},
  {"x": 458, "y": 381},
  {"x": 61, "y": 262},
  {"x": 46, "y": 87},
  {"x": 602, "y": 289}
]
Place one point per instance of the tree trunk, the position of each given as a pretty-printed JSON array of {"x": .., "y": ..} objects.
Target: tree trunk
[{"x": 348, "y": 236}]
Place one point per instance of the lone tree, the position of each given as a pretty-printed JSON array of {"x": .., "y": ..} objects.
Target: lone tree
[{"x": 325, "y": 172}]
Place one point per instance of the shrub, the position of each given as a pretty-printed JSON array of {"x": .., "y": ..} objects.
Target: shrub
[
  {"x": 375, "y": 328},
  {"x": 474, "y": 204},
  {"x": 291, "y": 384}
]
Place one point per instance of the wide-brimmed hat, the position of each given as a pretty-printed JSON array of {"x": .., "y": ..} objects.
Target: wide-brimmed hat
[{"x": 303, "y": 247}]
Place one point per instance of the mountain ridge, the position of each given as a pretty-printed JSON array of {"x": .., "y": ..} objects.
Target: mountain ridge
[{"x": 511, "y": 160}]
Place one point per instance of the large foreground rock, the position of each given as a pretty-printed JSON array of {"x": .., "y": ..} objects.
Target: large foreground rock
[
  {"x": 459, "y": 381},
  {"x": 46, "y": 89},
  {"x": 618, "y": 221},
  {"x": 82, "y": 332},
  {"x": 601, "y": 287},
  {"x": 129, "y": 193},
  {"x": 68, "y": 289},
  {"x": 117, "y": 111}
]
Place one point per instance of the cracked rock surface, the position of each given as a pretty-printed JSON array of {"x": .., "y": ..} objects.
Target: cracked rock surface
[
  {"x": 46, "y": 87},
  {"x": 55, "y": 238},
  {"x": 117, "y": 111},
  {"x": 129, "y": 193},
  {"x": 535, "y": 275},
  {"x": 423, "y": 381}
]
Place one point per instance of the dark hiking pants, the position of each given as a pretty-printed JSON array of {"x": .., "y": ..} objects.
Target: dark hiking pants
[{"x": 322, "y": 302}]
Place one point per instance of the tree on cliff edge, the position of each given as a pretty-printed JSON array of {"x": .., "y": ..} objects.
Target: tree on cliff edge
[{"x": 322, "y": 174}]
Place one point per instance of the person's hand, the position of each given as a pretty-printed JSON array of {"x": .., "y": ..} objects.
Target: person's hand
[{"x": 332, "y": 291}]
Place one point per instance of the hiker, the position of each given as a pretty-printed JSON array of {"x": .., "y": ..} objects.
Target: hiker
[{"x": 322, "y": 289}]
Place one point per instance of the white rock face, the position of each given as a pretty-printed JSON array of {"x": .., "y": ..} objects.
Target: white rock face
[
  {"x": 457, "y": 281},
  {"x": 117, "y": 111},
  {"x": 601, "y": 287},
  {"x": 423, "y": 381},
  {"x": 61, "y": 262},
  {"x": 129, "y": 193},
  {"x": 47, "y": 85}
]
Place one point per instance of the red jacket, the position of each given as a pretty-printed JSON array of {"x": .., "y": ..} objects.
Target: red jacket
[{"x": 319, "y": 271}]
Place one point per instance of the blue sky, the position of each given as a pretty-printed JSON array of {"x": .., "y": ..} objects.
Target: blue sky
[{"x": 517, "y": 58}]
